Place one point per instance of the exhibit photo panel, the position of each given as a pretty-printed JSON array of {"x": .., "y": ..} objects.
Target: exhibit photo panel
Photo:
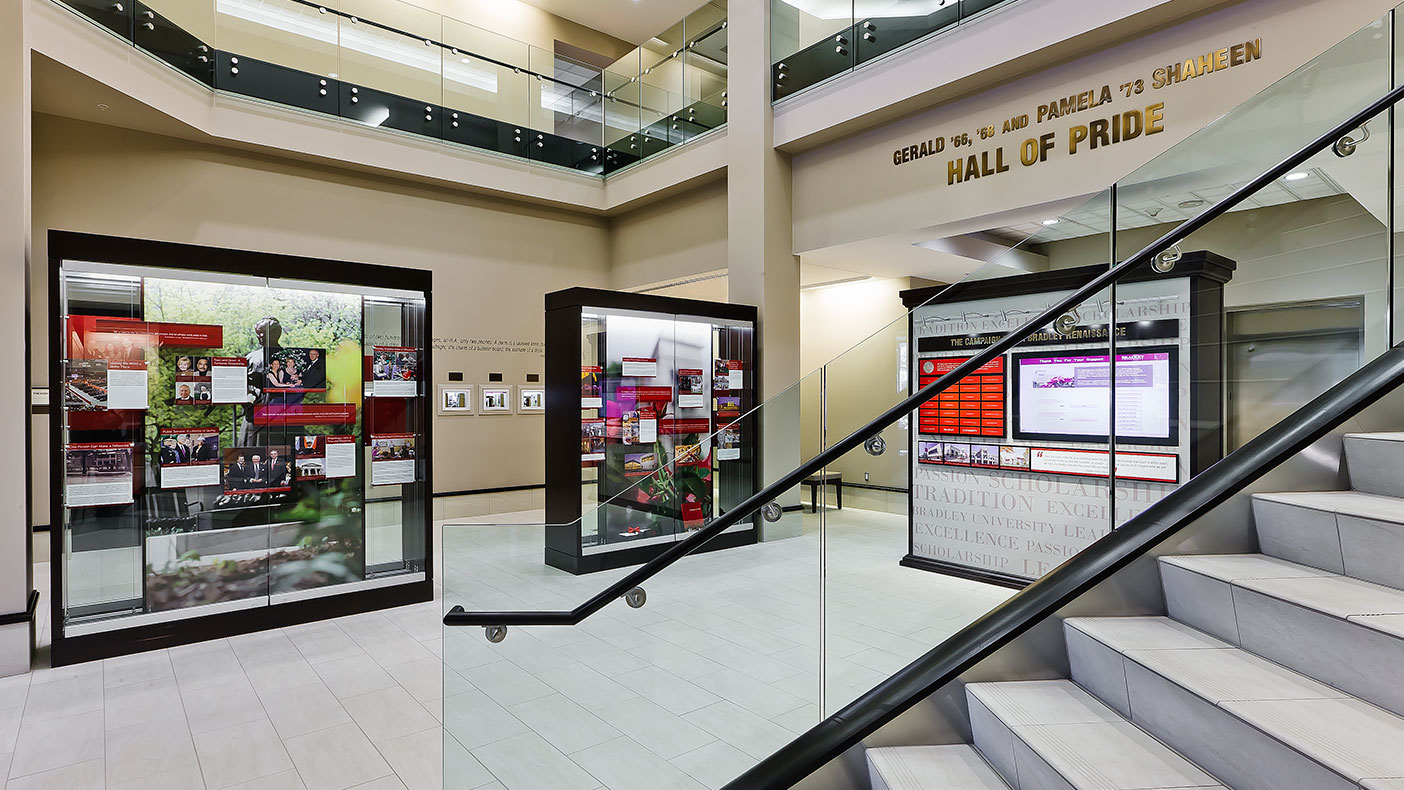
[
  {"x": 1043, "y": 449},
  {"x": 659, "y": 412},
  {"x": 211, "y": 429}
]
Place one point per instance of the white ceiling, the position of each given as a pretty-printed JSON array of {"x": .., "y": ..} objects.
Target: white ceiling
[{"x": 635, "y": 21}]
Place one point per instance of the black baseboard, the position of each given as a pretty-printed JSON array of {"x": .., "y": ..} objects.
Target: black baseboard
[
  {"x": 91, "y": 647},
  {"x": 623, "y": 558},
  {"x": 965, "y": 572},
  {"x": 27, "y": 616}
]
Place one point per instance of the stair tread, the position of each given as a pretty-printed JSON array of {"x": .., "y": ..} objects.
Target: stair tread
[
  {"x": 1330, "y": 593},
  {"x": 1235, "y": 567},
  {"x": 1088, "y": 744},
  {"x": 1384, "y": 436},
  {"x": 1350, "y": 503},
  {"x": 1352, "y": 737},
  {"x": 955, "y": 767},
  {"x": 1213, "y": 669}
]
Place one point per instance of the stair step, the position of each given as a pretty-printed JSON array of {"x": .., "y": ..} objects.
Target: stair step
[
  {"x": 1374, "y": 462},
  {"x": 1253, "y": 723},
  {"x": 1348, "y": 532},
  {"x": 957, "y": 767},
  {"x": 1051, "y": 734},
  {"x": 1339, "y": 630}
]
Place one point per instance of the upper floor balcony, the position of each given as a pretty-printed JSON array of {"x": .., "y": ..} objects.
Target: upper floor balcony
[{"x": 396, "y": 66}]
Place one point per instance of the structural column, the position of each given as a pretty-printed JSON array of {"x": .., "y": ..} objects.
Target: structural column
[
  {"x": 16, "y": 630},
  {"x": 763, "y": 269}
]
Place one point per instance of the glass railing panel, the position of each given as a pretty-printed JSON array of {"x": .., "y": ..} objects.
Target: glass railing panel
[
  {"x": 662, "y": 88},
  {"x": 623, "y": 118},
  {"x": 178, "y": 32},
  {"x": 716, "y": 670},
  {"x": 486, "y": 89},
  {"x": 885, "y": 25},
  {"x": 809, "y": 42},
  {"x": 400, "y": 72},
  {"x": 705, "y": 71},
  {"x": 280, "y": 51},
  {"x": 115, "y": 16},
  {"x": 567, "y": 111}
]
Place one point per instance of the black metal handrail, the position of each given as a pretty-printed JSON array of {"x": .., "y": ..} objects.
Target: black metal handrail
[
  {"x": 457, "y": 616},
  {"x": 963, "y": 650}
]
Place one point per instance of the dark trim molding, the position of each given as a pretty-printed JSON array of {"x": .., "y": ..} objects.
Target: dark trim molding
[
  {"x": 27, "y": 616},
  {"x": 876, "y": 487},
  {"x": 624, "y": 300},
  {"x": 965, "y": 572}
]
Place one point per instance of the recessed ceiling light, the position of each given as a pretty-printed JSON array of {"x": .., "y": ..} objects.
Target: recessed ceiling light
[
  {"x": 1194, "y": 203},
  {"x": 1297, "y": 176},
  {"x": 102, "y": 106},
  {"x": 1051, "y": 222}
]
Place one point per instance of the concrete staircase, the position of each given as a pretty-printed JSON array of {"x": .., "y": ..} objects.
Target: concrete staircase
[{"x": 1275, "y": 671}]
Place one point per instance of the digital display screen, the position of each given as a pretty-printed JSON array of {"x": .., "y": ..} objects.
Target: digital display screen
[{"x": 1065, "y": 397}]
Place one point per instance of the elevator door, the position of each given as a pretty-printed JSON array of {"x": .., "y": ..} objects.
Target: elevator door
[{"x": 1281, "y": 356}]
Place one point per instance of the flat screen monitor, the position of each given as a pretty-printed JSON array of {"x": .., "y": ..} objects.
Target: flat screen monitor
[{"x": 1063, "y": 396}]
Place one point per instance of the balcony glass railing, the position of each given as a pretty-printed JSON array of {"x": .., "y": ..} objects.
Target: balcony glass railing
[
  {"x": 813, "y": 40},
  {"x": 1020, "y": 465},
  {"x": 393, "y": 65}
]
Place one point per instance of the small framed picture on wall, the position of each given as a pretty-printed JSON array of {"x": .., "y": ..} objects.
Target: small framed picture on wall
[
  {"x": 456, "y": 399},
  {"x": 531, "y": 400},
  {"x": 496, "y": 399}
]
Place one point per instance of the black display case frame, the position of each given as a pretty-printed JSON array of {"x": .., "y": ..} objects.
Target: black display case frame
[
  {"x": 564, "y": 475},
  {"x": 95, "y": 248}
]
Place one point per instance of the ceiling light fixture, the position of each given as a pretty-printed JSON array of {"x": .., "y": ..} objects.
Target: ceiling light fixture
[
  {"x": 1194, "y": 203},
  {"x": 1297, "y": 176},
  {"x": 1051, "y": 221}
]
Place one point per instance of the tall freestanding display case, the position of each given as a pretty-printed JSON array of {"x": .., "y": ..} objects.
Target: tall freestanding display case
[
  {"x": 238, "y": 441},
  {"x": 647, "y": 436}
]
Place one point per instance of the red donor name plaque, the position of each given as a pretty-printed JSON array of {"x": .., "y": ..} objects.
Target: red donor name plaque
[
  {"x": 972, "y": 407},
  {"x": 92, "y": 336},
  {"x": 304, "y": 414},
  {"x": 648, "y": 394},
  {"x": 668, "y": 425}
]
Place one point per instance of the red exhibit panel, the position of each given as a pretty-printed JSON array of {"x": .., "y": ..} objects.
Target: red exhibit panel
[{"x": 973, "y": 406}]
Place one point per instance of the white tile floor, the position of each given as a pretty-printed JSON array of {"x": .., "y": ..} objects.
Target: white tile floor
[{"x": 716, "y": 671}]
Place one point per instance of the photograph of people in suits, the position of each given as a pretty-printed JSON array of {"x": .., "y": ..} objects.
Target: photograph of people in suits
[
  {"x": 256, "y": 469},
  {"x": 189, "y": 446}
]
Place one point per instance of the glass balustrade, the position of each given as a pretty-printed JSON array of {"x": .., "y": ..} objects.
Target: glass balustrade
[
  {"x": 813, "y": 40},
  {"x": 928, "y": 523},
  {"x": 396, "y": 66}
]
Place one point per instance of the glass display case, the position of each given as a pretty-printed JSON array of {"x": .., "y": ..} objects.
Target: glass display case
[
  {"x": 238, "y": 441},
  {"x": 647, "y": 426}
]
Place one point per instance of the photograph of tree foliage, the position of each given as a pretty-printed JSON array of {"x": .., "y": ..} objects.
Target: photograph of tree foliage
[{"x": 316, "y": 533}]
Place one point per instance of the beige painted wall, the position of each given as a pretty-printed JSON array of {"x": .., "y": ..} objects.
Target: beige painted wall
[
  {"x": 492, "y": 260},
  {"x": 851, "y": 190},
  {"x": 678, "y": 237}
]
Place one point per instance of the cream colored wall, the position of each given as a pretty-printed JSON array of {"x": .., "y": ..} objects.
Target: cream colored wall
[
  {"x": 1313, "y": 249},
  {"x": 492, "y": 260},
  {"x": 851, "y": 190},
  {"x": 677, "y": 237}
]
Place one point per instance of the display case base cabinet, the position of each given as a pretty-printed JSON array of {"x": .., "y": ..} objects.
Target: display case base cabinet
[
  {"x": 108, "y": 644},
  {"x": 623, "y": 558}
]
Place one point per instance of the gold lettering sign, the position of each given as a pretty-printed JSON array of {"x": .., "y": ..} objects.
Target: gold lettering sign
[{"x": 1107, "y": 130}]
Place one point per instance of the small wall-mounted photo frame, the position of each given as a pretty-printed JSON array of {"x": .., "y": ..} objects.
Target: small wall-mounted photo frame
[
  {"x": 495, "y": 399},
  {"x": 531, "y": 399},
  {"x": 456, "y": 399}
]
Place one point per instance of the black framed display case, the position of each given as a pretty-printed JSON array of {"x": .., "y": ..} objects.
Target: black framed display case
[
  {"x": 238, "y": 441},
  {"x": 973, "y": 447},
  {"x": 647, "y": 400}
]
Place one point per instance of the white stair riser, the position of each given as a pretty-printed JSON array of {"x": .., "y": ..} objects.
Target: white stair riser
[
  {"x": 1239, "y": 754},
  {"x": 1360, "y": 661},
  {"x": 1199, "y": 602},
  {"x": 1099, "y": 669},
  {"x": 994, "y": 740},
  {"x": 1364, "y": 548},
  {"x": 1376, "y": 466},
  {"x": 1298, "y": 534}
]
